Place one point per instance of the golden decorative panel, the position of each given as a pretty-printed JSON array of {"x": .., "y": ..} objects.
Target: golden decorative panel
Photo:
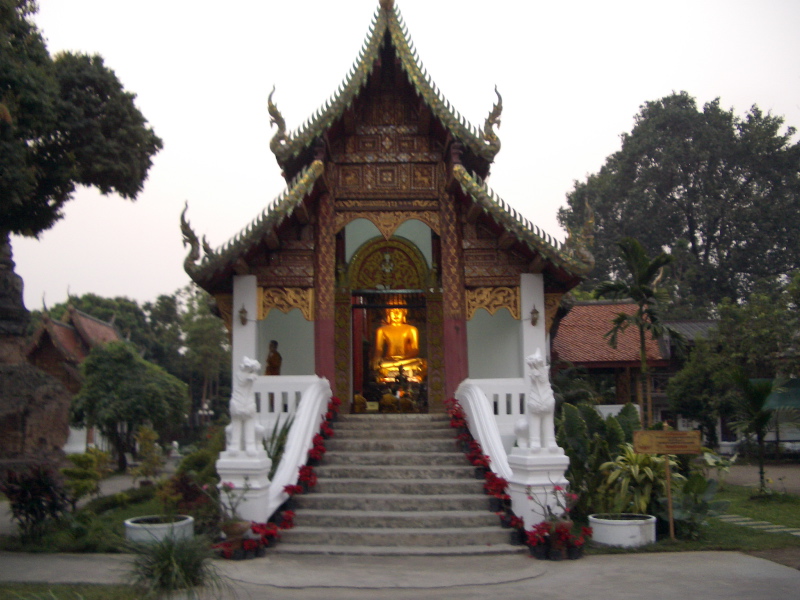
[
  {"x": 388, "y": 222},
  {"x": 286, "y": 299},
  {"x": 493, "y": 299},
  {"x": 388, "y": 264},
  {"x": 551, "y": 303}
]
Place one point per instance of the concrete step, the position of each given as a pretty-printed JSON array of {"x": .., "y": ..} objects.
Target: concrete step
[
  {"x": 395, "y": 417},
  {"x": 395, "y": 472},
  {"x": 370, "y": 424},
  {"x": 395, "y": 434},
  {"x": 389, "y": 502},
  {"x": 377, "y": 519},
  {"x": 454, "y": 458},
  {"x": 390, "y": 445},
  {"x": 399, "y": 486},
  {"x": 485, "y": 549},
  {"x": 378, "y": 536}
]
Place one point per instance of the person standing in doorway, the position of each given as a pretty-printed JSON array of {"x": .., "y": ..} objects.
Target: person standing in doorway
[{"x": 274, "y": 359}]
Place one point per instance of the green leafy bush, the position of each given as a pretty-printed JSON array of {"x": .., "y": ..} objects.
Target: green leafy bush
[
  {"x": 590, "y": 441},
  {"x": 634, "y": 482},
  {"x": 692, "y": 506},
  {"x": 84, "y": 476},
  {"x": 166, "y": 566}
]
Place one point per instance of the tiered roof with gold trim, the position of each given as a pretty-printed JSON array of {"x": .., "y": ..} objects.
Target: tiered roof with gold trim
[{"x": 572, "y": 256}]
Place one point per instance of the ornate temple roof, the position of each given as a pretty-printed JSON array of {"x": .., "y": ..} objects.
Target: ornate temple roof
[
  {"x": 271, "y": 217},
  {"x": 572, "y": 255},
  {"x": 572, "y": 258},
  {"x": 387, "y": 19}
]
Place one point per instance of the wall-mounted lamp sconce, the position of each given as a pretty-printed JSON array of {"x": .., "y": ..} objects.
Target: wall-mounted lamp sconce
[
  {"x": 534, "y": 316},
  {"x": 243, "y": 315}
]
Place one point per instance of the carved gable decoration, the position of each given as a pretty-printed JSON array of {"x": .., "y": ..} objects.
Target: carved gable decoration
[
  {"x": 388, "y": 264},
  {"x": 286, "y": 299},
  {"x": 493, "y": 299}
]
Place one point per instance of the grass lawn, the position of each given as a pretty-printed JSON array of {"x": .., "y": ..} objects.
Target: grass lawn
[
  {"x": 43, "y": 591},
  {"x": 778, "y": 508}
]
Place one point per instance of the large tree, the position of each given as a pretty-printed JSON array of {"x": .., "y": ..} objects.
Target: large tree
[
  {"x": 122, "y": 391},
  {"x": 65, "y": 121},
  {"x": 722, "y": 192}
]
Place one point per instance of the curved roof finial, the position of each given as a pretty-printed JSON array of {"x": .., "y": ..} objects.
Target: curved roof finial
[
  {"x": 493, "y": 120},
  {"x": 276, "y": 118}
]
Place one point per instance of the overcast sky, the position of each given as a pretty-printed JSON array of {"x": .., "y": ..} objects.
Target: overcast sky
[{"x": 572, "y": 74}]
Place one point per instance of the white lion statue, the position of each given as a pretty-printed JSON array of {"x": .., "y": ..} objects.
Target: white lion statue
[
  {"x": 536, "y": 429},
  {"x": 244, "y": 431}
]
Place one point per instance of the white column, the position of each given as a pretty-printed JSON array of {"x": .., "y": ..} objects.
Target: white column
[
  {"x": 241, "y": 470},
  {"x": 245, "y": 337},
  {"x": 531, "y": 291},
  {"x": 535, "y": 471}
]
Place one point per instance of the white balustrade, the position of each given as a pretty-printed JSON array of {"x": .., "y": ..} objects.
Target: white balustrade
[
  {"x": 278, "y": 396},
  {"x": 308, "y": 416},
  {"x": 483, "y": 425},
  {"x": 506, "y": 398}
]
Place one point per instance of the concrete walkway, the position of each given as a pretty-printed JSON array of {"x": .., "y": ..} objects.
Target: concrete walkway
[
  {"x": 781, "y": 478},
  {"x": 707, "y": 575}
]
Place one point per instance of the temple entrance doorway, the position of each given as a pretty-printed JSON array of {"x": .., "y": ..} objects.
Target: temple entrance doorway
[
  {"x": 393, "y": 319},
  {"x": 390, "y": 343}
]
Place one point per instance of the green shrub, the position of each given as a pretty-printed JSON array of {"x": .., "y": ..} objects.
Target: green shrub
[
  {"x": 692, "y": 506},
  {"x": 131, "y": 496},
  {"x": 590, "y": 441},
  {"x": 83, "y": 477},
  {"x": 163, "y": 567},
  {"x": 150, "y": 457}
]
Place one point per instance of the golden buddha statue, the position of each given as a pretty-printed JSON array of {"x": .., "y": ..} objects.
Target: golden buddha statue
[{"x": 396, "y": 351}]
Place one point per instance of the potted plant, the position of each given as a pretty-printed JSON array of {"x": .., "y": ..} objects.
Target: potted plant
[
  {"x": 633, "y": 482},
  {"x": 538, "y": 540},
  {"x": 150, "y": 529}
]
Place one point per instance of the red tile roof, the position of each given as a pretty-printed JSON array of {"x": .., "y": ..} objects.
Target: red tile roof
[
  {"x": 93, "y": 331},
  {"x": 580, "y": 337},
  {"x": 75, "y": 336}
]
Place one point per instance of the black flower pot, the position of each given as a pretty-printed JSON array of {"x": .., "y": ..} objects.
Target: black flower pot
[
  {"x": 517, "y": 537},
  {"x": 574, "y": 553},
  {"x": 538, "y": 552},
  {"x": 495, "y": 504},
  {"x": 557, "y": 553}
]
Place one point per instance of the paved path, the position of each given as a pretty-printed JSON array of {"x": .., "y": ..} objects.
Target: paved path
[
  {"x": 785, "y": 478},
  {"x": 657, "y": 576}
]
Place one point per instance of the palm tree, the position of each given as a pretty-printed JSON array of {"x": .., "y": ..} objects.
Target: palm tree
[
  {"x": 640, "y": 285},
  {"x": 751, "y": 415}
]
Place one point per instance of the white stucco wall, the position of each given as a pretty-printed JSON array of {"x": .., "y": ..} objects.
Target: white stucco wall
[
  {"x": 494, "y": 345},
  {"x": 295, "y": 337}
]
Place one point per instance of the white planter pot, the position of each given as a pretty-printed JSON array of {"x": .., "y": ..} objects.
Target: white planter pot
[
  {"x": 155, "y": 528},
  {"x": 625, "y": 530}
]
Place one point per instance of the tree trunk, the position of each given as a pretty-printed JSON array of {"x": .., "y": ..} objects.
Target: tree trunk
[
  {"x": 648, "y": 417},
  {"x": 762, "y": 480}
]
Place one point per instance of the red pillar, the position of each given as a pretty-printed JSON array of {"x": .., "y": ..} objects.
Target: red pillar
[{"x": 324, "y": 282}]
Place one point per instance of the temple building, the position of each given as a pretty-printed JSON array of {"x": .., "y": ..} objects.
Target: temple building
[{"x": 387, "y": 264}]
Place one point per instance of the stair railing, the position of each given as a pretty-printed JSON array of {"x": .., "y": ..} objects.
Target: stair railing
[
  {"x": 307, "y": 419},
  {"x": 483, "y": 426}
]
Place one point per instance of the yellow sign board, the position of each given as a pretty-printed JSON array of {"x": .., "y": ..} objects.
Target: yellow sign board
[{"x": 667, "y": 442}]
